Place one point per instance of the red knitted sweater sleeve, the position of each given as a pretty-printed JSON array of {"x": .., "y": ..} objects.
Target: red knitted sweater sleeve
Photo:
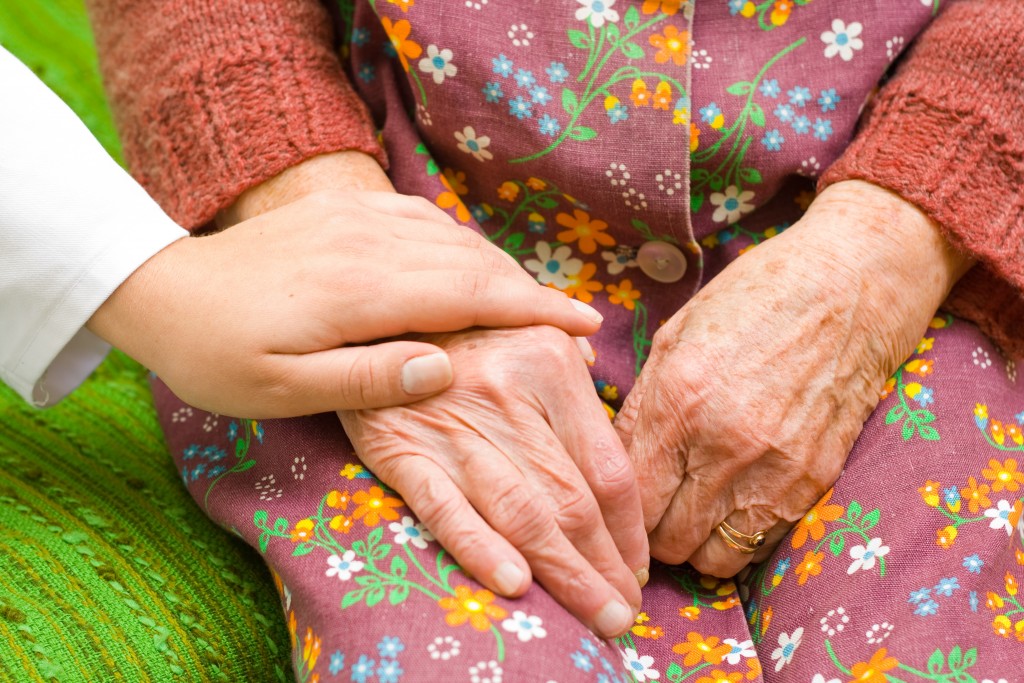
[
  {"x": 947, "y": 133},
  {"x": 212, "y": 97}
]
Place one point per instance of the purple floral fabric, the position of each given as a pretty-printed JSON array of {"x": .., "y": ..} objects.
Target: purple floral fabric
[{"x": 574, "y": 133}]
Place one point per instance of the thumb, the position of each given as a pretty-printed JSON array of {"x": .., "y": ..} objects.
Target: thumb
[{"x": 360, "y": 377}]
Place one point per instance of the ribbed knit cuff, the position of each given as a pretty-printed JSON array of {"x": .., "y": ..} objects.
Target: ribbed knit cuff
[
  {"x": 947, "y": 134},
  {"x": 213, "y": 97}
]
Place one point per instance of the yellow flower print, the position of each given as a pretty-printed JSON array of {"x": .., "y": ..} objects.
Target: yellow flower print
[
  {"x": 589, "y": 232},
  {"x": 945, "y": 537},
  {"x": 640, "y": 95},
  {"x": 993, "y": 601},
  {"x": 1014, "y": 432},
  {"x": 623, "y": 293},
  {"x": 476, "y": 608},
  {"x": 930, "y": 493},
  {"x": 662, "y": 96},
  {"x": 351, "y": 471},
  {"x": 1003, "y": 475},
  {"x": 398, "y": 33},
  {"x": 925, "y": 344},
  {"x": 310, "y": 649},
  {"x": 780, "y": 12},
  {"x": 373, "y": 505},
  {"x": 342, "y": 524},
  {"x": 1001, "y": 625},
  {"x": 303, "y": 531},
  {"x": 890, "y": 386},
  {"x": 671, "y": 44}
]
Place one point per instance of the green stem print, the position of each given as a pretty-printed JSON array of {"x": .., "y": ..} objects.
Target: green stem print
[
  {"x": 641, "y": 340},
  {"x": 242, "y": 460},
  {"x": 377, "y": 569},
  {"x": 676, "y": 674},
  {"x": 730, "y": 170},
  {"x": 854, "y": 523},
  {"x": 958, "y": 662},
  {"x": 768, "y": 17},
  {"x": 533, "y": 196},
  {"x": 601, "y": 45},
  {"x": 916, "y": 421},
  {"x": 1005, "y": 436}
]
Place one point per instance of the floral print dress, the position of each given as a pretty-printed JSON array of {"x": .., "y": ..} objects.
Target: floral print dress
[{"x": 597, "y": 141}]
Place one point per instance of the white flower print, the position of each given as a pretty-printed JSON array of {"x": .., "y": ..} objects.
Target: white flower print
[
  {"x": 1000, "y": 515},
  {"x": 470, "y": 143},
  {"x": 597, "y": 11},
  {"x": 525, "y": 627},
  {"x": 731, "y": 205},
  {"x": 835, "y": 621},
  {"x": 623, "y": 257},
  {"x": 989, "y": 680},
  {"x": 640, "y": 667},
  {"x": 444, "y": 648},
  {"x": 744, "y": 650},
  {"x": 438, "y": 63},
  {"x": 554, "y": 268},
  {"x": 864, "y": 558},
  {"x": 345, "y": 566},
  {"x": 981, "y": 358},
  {"x": 818, "y": 678},
  {"x": 485, "y": 672},
  {"x": 411, "y": 531},
  {"x": 879, "y": 632},
  {"x": 520, "y": 35},
  {"x": 843, "y": 39},
  {"x": 787, "y": 648}
]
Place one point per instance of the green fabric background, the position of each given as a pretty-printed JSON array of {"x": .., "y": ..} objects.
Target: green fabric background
[{"x": 108, "y": 571}]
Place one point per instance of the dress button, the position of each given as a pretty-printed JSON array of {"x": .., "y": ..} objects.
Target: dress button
[{"x": 661, "y": 261}]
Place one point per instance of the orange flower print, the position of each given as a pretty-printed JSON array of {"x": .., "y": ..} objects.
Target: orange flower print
[
  {"x": 403, "y": 4},
  {"x": 993, "y": 601},
  {"x": 781, "y": 11},
  {"x": 694, "y": 137},
  {"x": 398, "y": 33},
  {"x": 672, "y": 44},
  {"x": 809, "y": 566},
  {"x": 669, "y": 7},
  {"x": 945, "y": 537},
  {"x": 766, "y": 619},
  {"x": 813, "y": 522},
  {"x": 697, "y": 648},
  {"x": 1014, "y": 432},
  {"x": 589, "y": 232},
  {"x": 873, "y": 670},
  {"x": 640, "y": 95},
  {"x": 755, "y": 669},
  {"x": 476, "y": 608},
  {"x": 310, "y": 649},
  {"x": 662, "y": 96},
  {"x": 373, "y": 505},
  {"x": 1004, "y": 475},
  {"x": 975, "y": 495},
  {"x": 930, "y": 493},
  {"x": 692, "y": 612},
  {"x": 920, "y": 367},
  {"x": 997, "y": 432},
  {"x": 718, "y": 676},
  {"x": 342, "y": 523},
  {"x": 338, "y": 499},
  {"x": 536, "y": 184},
  {"x": 623, "y": 293},
  {"x": 1001, "y": 625},
  {"x": 508, "y": 191},
  {"x": 303, "y": 531},
  {"x": 1011, "y": 584},
  {"x": 580, "y": 284},
  {"x": 890, "y": 386},
  {"x": 454, "y": 184}
]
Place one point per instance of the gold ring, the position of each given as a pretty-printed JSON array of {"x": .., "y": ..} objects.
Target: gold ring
[{"x": 747, "y": 544}]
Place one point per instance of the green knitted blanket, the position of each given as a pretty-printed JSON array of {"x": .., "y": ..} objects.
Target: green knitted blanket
[{"x": 108, "y": 570}]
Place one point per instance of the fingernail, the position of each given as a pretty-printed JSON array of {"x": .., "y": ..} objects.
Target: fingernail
[
  {"x": 508, "y": 578},
  {"x": 586, "y": 349},
  {"x": 642, "y": 575},
  {"x": 426, "y": 374},
  {"x": 613, "y": 619},
  {"x": 586, "y": 310}
]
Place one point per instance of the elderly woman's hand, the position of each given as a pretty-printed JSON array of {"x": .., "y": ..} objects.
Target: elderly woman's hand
[
  {"x": 757, "y": 388},
  {"x": 517, "y": 468}
]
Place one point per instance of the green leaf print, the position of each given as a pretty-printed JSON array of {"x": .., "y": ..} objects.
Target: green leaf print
[
  {"x": 578, "y": 39},
  {"x": 398, "y": 566},
  {"x": 871, "y": 519},
  {"x": 583, "y": 133},
  {"x": 740, "y": 88},
  {"x": 632, "y": 51},
  {"x": 569, "y": 101},
  {"x": 632, "y": 18}
]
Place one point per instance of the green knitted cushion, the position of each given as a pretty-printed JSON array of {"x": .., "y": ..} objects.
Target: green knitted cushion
[{"x": 108, "y": 570}]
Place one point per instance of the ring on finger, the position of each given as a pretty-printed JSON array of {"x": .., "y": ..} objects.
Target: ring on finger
[{"x": 747, "y": 544}]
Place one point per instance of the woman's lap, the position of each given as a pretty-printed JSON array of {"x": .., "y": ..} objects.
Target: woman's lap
[{"x": 357, "y": 587}]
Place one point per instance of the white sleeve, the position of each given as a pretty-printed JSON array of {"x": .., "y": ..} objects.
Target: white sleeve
[{"x": 73, "y": 226}]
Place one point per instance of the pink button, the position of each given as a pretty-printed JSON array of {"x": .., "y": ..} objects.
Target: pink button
[{"x": 661, "y": 261}]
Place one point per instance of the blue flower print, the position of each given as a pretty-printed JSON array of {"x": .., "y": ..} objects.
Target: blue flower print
[
  {"x": 581, "y": 661},
  {"x": 389, "y": 647},
  {"x": 773, "y": 140},
  {"x": 493, "y": 92},
  {"x": 588, "y": 647},
  {"x": 1019, "y": 417},
  {"x": 540, "y": 95},
  {"x": 925, "y": 395},
  {"x": 784, "y": 112},
  {"x": 549, "y": 125},
  {"x": 926, "y": 608},
  {"x": 801, "y": 125},
  {"x": 257, "y": 428},
  {"x": 822, "y": 129},
  {"x": 216, "y": 471},
  {"x": 520, "y": 108},
  {"x": 200, "y": 468},
  {"x": 367, "y": 73},
  {"x": 799, "y": 96},
  {"x": 947, "y": 586},
  {"x": 710, "y": 112},
  {"x": 973, "y": 563},
  {"x": 360, "y": 36},
  {"x": 973, "y": 600},
  {"x": 337, "y": 663},
  {"x": 920, "y": 595},
  {"x": 770, "y": 88},
  {"x": 951, "y": 496},
  {"x": 607, "y": 666},
  {"x": 479, "y": 213},
  {"x": 214, "y": 454},
  {"x": 525, "y": 78},
  {"x": 557, "y": 72},
  {"x": 618, "y": 113},
  {"x": 362, "y": 669},
  {"x": 829, "y": 99},
  {"x": 191, "y": 452},
  {"x": 389, "y": 671},
  {"x": 232, "y": 430},
  {"x": 502, "y": 66}
]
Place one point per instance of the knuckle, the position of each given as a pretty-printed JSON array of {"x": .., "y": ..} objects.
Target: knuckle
[
  {"x": 577, "y": 512},
  {"x": 439, "y": 511},
  {"x": 518, "y": 517},
  {"x": 616, "y": 478},
  {"x": 471, "y": 284}
]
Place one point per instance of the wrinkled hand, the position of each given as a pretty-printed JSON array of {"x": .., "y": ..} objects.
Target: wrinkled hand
[
  {"x": 267, "y": 319},
  {"x": 757, "y": 388},
  {"x": 517, "y": 469}
]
